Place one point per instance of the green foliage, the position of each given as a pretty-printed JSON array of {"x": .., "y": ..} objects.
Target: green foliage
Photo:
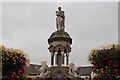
[
  {"x": 13, "y": 61},
  {"x": 106, "y": 61}
]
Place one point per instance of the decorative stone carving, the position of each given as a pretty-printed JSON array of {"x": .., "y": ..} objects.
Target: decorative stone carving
[
  {"x": 73, "y": 70},
  {"x": 60, "y": 19},
  {"x": 43, "y": 71}
]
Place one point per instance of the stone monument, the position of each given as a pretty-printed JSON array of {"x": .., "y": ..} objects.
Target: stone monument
[
  {"x": 60, "y": 48},
  {"x": 60, "y": 42}
]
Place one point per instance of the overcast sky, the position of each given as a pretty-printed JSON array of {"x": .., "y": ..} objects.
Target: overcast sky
[{"x": 28, "y": 25}]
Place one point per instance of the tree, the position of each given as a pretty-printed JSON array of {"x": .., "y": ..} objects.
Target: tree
[
  {"x": 106, "y": 61},
  {"x": 13, "y": 61}
]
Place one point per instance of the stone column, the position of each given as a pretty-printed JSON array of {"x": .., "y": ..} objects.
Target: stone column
[
  {"x": 56, "y": 58},
  {"x": 67, "y": 59},
  {"x": 52, "y": 59},
  {"x": 62, "y": 58}
]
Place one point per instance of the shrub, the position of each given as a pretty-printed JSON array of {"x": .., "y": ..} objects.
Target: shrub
[
  {"x": 13, "y": 61},
  {"x": 106, "y": 61}
]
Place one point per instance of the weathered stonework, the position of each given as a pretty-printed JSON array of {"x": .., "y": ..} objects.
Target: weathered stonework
[{"x": 60, "y": 47}]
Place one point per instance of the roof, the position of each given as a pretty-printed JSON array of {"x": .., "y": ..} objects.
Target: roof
[
  {"x": 60, "y": 36},
  {"x": 60, "y": 33},
  {"x": 85, "y": 71},
  {"x": 31, "y": 69}
]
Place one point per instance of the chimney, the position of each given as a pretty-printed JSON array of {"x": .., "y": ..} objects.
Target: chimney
[
  {"x": 44, "y": 62},
  {"x": 27, "y": 62}
]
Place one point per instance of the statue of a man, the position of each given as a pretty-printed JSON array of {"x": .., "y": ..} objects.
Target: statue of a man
[{"x": 60, "y": 19}]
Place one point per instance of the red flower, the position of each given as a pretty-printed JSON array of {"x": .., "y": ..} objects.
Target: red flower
[
  {"x": 115, "y": 65},
  {"x": 13, "y": 72},
  {"x": 117, "y": 74},
  {"x": 95, "y": 77},
  {"x": 94, "y": 71},
  {"x": 110, "y": 77}
]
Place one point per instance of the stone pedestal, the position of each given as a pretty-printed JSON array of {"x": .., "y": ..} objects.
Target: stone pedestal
[{"x": 59, "y": 47}]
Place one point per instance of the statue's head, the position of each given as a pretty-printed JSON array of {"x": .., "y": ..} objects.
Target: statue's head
[{"x": 59, "y": 8}]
